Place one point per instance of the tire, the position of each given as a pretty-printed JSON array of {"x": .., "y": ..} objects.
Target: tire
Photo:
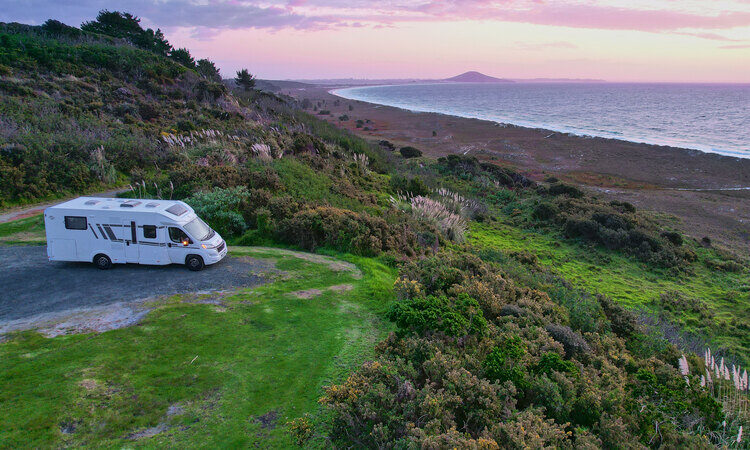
[
  {"x": 102, "y": 261},
  {"x": 194, "y": 263}
]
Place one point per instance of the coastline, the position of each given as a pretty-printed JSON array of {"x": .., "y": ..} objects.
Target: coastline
[
  {"x": 681, "y": 182},
  {"x": 570, "y": 130}
]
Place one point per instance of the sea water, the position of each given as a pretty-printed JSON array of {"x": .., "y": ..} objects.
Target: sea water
[{"x": 707, "y": 117}]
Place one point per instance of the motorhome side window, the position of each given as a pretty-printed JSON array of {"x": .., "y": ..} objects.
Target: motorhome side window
[
  {"x": 149, "y": 231},
  {"x": 177, "y": 235},
  {"x": 75, "y": 223}
]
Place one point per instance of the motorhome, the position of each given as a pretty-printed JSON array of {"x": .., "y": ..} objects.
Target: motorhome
[{"x": 107, "y": 231}]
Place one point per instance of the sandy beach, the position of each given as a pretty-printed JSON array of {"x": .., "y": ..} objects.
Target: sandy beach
[{"x": 699, "y": 189}]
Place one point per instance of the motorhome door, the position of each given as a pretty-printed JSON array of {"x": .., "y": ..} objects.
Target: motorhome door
[
  {"x": 178, "y": 244},
  {"x": 113, "y": 232},
  {"x": 130, "y": 235}
]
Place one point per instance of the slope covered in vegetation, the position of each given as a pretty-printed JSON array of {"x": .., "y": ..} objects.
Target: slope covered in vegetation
[{"x": 526, "y": 314}]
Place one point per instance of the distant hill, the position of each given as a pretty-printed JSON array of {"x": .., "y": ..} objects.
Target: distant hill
[
  {"x": 476, "y": 77},
  {"x": 278, "y": 85}
]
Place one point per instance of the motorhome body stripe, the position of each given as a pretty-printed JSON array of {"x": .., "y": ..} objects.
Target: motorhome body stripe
[
  {"x": 92, "y": 230},
  {"x": 101, "y": 231},
  {"x": 111, "y": 234}
]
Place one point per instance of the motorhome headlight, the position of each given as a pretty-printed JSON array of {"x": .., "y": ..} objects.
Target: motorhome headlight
[{"x": 210, "y": 247}]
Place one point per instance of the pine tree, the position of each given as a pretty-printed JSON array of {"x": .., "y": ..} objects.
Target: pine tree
[{"x": 245, "y": 79}]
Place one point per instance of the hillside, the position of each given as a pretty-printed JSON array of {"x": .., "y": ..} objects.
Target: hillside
[
  {"x": 497, "y": 290},
  {"x": 476, "y": 77}
]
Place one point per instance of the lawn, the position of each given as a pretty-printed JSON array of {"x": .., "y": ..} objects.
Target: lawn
[
  {"x": 200, "y": 370},
  {"x": 634, "y": 284},
  {"x": 29, "y": 230}
]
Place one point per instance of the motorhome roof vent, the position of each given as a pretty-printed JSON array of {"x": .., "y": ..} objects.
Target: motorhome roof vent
[
  {"x": 151, "y": 205},
  {"x": 177, "y": 209},
  {"x": 129, "y": 204},
  {"x": 92, "y": 202}
]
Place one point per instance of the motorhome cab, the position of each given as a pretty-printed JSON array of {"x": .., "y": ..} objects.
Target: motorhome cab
[{"x": 109, "y": 231}]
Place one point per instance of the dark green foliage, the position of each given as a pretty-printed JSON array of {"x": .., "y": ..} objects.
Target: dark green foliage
[
  {"x": 245, "y": 80},
  {"x": 410, "y": 152},
  {"x": 469, "y": 168},
  {"x": 673, "y": 237},
  {"x": 127, "y": 26},
  {"x": 221, "y": 209},
  {"x": 553, "y": 362},
  {"x": 413, "y": 186},
  {"x": 343, "y": 230},
  {"x": 503, "y": 363},
  {"x": 544, "y": 211},
  {"x": 58, "y": 29},
  {"x": 623, "y": 322},
  {"x": 556, "y": 189},
  {"x": 454, "y": 316},
  {"x": 207, "y": 69},
  {"x": 182, "y": 56},
  {"x": 608, "y": 225}
]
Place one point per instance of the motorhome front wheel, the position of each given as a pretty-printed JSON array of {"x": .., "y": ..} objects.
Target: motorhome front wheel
[{"x": 194, "y": 262}]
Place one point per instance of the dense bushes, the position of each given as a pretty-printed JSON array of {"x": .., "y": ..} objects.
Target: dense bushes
[
  {"x": 341, "y": 229},
  {"x": 470, "y": 168},
  {"x": 410, "y": 152},
  {"x": 221, "y": 209},
  {"x": 455, "y": 316},
  {"x": 477, "y": 361}
]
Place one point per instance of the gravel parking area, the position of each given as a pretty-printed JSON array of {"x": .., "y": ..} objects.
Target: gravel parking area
[{"x": 30, "y": 285}]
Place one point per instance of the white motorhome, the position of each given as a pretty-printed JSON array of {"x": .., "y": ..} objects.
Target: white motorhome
[{"x": 109, "y": 231}]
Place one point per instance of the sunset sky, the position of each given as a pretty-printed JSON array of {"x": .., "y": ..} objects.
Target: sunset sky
[{"x": 616, "y": 40}]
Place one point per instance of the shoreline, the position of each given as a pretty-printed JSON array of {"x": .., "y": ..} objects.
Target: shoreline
[
  {"x": 540, "y": 126},
  {"x": 699, "y": 189}
]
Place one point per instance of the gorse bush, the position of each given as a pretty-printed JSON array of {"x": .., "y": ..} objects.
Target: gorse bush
[
  {"x": 343, "y": 230},
  {"x": 410, "y": 152},
  {"x": 455, "y": 316}
]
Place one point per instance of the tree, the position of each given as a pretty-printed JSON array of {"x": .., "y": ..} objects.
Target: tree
[
  {"x": 127, "y": 26},
  {"x": 245, "y": 79},
  {"x": 182, "y": 56},
  {"x": 208, "y": 70}
]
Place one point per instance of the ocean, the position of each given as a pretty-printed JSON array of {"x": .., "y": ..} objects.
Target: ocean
[{"x": 711, "y": 118}]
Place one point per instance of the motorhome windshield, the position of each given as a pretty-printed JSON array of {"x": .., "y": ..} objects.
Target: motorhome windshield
[{"x": 199, "y": 230}]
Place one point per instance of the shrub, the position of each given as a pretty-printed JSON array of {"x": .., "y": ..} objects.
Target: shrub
[
  {"x": 220, "y": 208},
  {"x": 573, "y": 342},
  {"x": 564, "y": 189},
  {"x": 544, "y": 211},
  {"x": 413, "y": 186},
  {"x": 343, "y": 230},
  {"x": 552, "y": 361},
  {"x": 410, "y": 152},
  {"x": 454, "y": 316},
  {"x": 503, "y": 362},
  {"x": 673, "y": 237}
]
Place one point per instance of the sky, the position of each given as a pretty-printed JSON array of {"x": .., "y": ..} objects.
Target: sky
[{"x": 614, "y": 40}]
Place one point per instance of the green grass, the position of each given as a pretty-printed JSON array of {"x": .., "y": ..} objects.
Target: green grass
[
  {"x": 633, "y": 283},
  {"x": 23, "y": 231},
  {"x": 262, "y": 351}
]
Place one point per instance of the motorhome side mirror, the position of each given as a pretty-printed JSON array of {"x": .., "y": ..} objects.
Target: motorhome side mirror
[{"x": 185, "y": 242}]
